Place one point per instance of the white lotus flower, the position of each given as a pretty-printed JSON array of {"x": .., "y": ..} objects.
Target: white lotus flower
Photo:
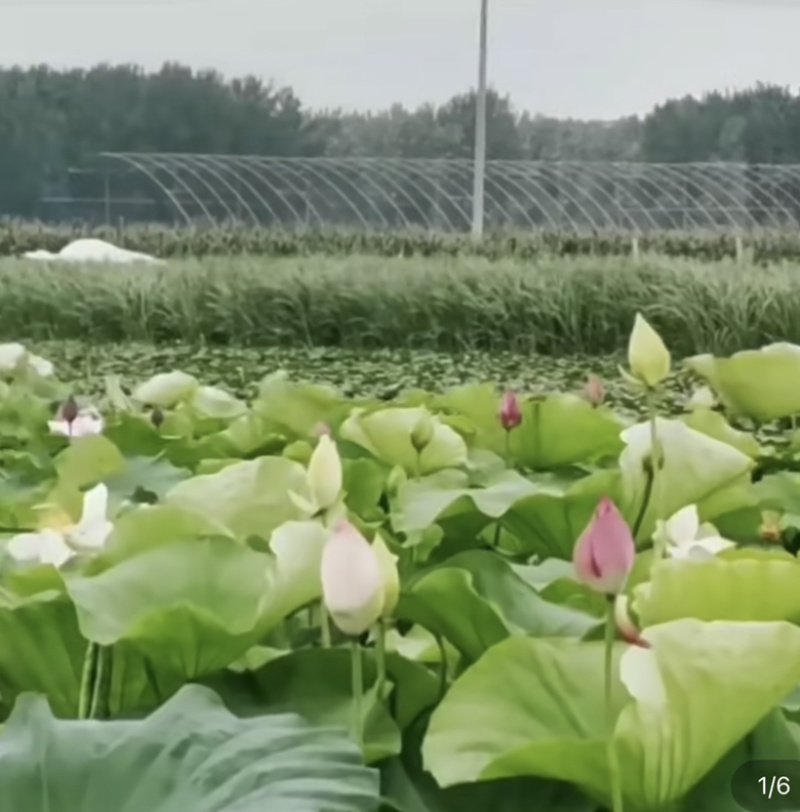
[
  {"x": 58, "y": 542},
  {"x": 352, "y": 580},
  {"x": 687, "y": 539},
  {"x": 14, "y": 355},
  {"x": 87, "y": 422}
]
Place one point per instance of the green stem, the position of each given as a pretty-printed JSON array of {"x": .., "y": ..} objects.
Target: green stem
[
  {"x": 324, "y": 625},
  {"x": 380, "y": 657},
  {"x": 98, "y": 705},
  {"x": 88, "y": 681},
  {"x": 613, "y": 760},
  {"x": 358, "y": 693},
  {"x": 656, "y": 461}
]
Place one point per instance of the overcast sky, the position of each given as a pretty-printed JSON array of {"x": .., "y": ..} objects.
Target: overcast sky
[{"x": 580, "y": 58}]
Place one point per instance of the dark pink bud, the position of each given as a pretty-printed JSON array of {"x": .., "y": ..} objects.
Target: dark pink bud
[
  {"x": 604, "y": 553},
  {"x": 594, "y": 391},
  {"x": 157, "y": 417},
  {"x": 69, "y": 411},
  {"x": 509, "y": 414}
]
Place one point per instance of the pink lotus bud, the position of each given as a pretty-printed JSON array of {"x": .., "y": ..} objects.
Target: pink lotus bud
[
  {"x": 509, "y": 414},
  {"x": 594, "y": 391},
  {"x": 322, "y": 430},
  {"x": 604, "y": 553},
  {"x": 625, "y": 626}
]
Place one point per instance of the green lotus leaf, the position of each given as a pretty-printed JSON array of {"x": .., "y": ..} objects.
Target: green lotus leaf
[
  {"x": 386, "y": 434},
  {"x": 420, "y": 503},
  {"x": 556, "y": 431},
  {"x": 549, "y": 522},
  {"x": 87, "y": 461},
  {"x": 715, "y": 425},
  {"x": 167, "y": 389},
  {"x": 317, "y": 684},
  {"x": 761, "y": 384},
  {"x": 196, "y": 605},
  {"x": 739, "y": 585},
  {"x": 695, "y": 466},
  {"x": 213, "y": 403},
  {"x": 191, "y": 754},
  {"x": 536, "y": 707},
  {"x": 296, "y": 409},
  {"x": 475, "y": 599},
  {"x": 250, "y": 498}
]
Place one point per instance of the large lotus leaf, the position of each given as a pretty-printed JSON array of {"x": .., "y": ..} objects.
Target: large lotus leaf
[
  {"x": 212, "y": 403},
  {"x": 420, "y": 503},
  {"x": 386, "y": 434},
  {"x": 191, "y": 754},
  {"x": 715, "y": 425},
  {"x": 762, "y": 384},
  {"x": 250, "y": 498},
  {"x": 741, "y": 585},
  {"x": 694, "y": 467},
  {"x": 774, "y": 739},
  {"x": 317, "y": 684},
  {"x": 475, "y": 599},
  {"x": 167, "y": 389},
  {"x": 415, "y": 791},
  {"x": 690, "y": 698},
  {"x": 296, "y": 409},
  {"x": 88, "y": 460},
  {"x": 41, "y": 649},
  {"x": 145, "y": 479},
  {"x": 148, "y": 527},
  {"x": 196, "y": 605},
  {"x": 250, "y": 435},
  {"x": 555, "y": 431},
  {"x": 549, "y": 522}
]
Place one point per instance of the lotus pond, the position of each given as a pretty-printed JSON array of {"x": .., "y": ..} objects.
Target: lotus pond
[{"x": 461, "y": 600}]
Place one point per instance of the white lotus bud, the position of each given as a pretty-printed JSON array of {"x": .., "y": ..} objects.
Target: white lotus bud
[
  {"x": 648, "y": 358},
  {"x": 352, "y": 581},
  {"x": 324, "y": 475}
]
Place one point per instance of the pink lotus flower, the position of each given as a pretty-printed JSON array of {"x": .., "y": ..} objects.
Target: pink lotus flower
[
  {"x": 604, "y": 553},
  {"x": 594, "y": 390},
  {"x": 509, "y": 414},
  {"x": 74, "y": 424}
]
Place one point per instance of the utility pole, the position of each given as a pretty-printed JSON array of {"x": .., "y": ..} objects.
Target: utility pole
[{"x": 480, "y": 131}]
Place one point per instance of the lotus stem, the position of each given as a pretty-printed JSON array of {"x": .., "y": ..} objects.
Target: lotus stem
[
  {"x": 324, "y": 625},
  {"x": 357, "y": 676},
  {"x": 613, "y": 761},
  {"x": 380, "y": 656},
  {"x": 99, "y": 702},
  {"x": 656, "y": 461},
  {"x": 86, "y": 696},
  {"x": 444, "y": 667}
]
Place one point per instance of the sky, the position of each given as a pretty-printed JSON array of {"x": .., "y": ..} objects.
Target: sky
[{"x": 596, "y": 59}]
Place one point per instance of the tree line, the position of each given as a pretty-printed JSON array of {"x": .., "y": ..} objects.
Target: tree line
[{"x": 51, "y": 121}]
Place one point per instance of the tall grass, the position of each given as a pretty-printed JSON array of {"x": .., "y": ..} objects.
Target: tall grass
[{"x": 551, "y": 306}]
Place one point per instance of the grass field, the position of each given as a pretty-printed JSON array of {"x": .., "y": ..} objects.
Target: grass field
[{"x": 548, "y": 306}]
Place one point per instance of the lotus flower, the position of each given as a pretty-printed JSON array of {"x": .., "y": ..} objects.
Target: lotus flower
[
  {"x": 510, "y": 415},
  {"x": 594, "y": 391},
  {"x": 324, "y": 475},
  {"x": 352, "y": 581},
  {"x": 59, "y": 541},
  {"x": 686, "y": 539},
  {"x": 73, "y": 425},
  {"x": 648, "y": 357},
  {"x": 605, "y": 551}
]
